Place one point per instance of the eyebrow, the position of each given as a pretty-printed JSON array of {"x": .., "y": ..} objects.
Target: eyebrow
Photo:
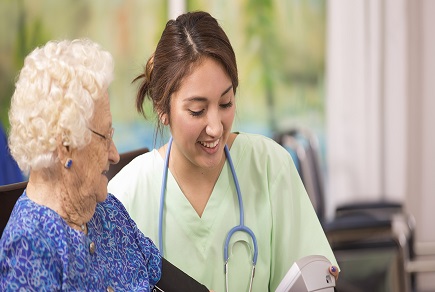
[
  {"x": 200, "y": 98},
  {"x": 226, "y": 90}
]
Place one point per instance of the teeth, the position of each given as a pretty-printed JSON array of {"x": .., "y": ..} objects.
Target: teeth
[{"x": 209, "y": 145}]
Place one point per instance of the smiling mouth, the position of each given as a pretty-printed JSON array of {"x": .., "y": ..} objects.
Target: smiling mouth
[{"x": 209, "y": 144}]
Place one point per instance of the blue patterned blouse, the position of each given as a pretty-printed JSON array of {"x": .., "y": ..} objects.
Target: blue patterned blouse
[{"x": 39, "y": 251}]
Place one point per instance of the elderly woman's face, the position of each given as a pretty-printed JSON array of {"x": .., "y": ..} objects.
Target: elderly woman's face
[{"x": 96, "y": 157}]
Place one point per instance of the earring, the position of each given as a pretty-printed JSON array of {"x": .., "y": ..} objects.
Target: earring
[{"x": 68, "y": 163}]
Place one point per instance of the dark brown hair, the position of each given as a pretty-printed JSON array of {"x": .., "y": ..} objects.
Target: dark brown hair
[{"x": 184, "y": 43}]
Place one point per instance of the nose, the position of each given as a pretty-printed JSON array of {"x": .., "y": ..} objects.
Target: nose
[
  {"x": 113, "y": 153},
  {"x": 214, "y": 125}
]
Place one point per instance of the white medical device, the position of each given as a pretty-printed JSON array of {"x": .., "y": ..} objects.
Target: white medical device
[{"x": 310, "y": 273}]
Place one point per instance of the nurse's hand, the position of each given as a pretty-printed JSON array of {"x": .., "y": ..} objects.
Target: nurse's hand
[{"x": 333, "y": 270}]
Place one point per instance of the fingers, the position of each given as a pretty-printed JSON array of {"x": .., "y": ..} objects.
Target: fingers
[{"x": 333, "y": 270}]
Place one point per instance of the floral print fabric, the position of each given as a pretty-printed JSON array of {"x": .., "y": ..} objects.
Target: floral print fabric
[{"x": 39, "y": 251}]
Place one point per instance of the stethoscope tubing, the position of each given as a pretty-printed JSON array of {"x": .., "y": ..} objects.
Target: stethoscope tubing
[
  {"x": 241, "y": 227},
  {"x": 162, "y": 194}
]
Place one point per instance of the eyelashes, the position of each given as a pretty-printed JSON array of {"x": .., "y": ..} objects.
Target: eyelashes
[
  {"x": 227, "y": 105},
  {"x": 195, "y": 114},
  {"x": 199, "y": 113}
]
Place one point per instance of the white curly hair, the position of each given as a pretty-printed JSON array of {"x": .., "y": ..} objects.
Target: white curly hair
[{"x": 54, "y": 97}]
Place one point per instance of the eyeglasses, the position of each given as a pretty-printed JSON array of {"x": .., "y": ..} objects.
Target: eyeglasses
[{"x": 108, "y": 137}]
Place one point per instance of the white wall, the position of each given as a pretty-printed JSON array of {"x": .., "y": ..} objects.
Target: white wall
[
  {"x": 175, "y": 8},
  {"x": 366, "y": 100},
  {"x": 381, "y": 107},
  {"x": 420, "y": 198}
]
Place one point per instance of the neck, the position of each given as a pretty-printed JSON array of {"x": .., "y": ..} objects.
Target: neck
[
  {"x": 184, "y": 172},
  {"x": 53, "y": 192},
  {"x": 195, "y": 182}
]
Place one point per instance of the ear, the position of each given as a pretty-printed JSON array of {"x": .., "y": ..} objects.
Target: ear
[
  {"x": 164, "y": 119},
  {"x": 63, "y": 149}
]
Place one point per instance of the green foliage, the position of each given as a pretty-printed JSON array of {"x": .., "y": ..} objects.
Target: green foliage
[
  {"x": 289, "y": 44},
  {"x": 30, "y": 33},
  {"x": 279, "y": 45}
]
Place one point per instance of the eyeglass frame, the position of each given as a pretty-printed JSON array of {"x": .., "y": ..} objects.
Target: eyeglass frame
[{"x": 108, "y": 138}]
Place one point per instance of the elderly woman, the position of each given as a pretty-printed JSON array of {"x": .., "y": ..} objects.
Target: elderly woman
[{"x": 66, "y": 232}]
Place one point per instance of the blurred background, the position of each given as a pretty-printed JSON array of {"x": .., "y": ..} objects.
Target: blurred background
[
  {"x": 280, "y": 48},
  {"x": 356, "y": 75}
]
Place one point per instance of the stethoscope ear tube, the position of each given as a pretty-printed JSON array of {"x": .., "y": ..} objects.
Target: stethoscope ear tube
[{"x": 162, "y": 194}]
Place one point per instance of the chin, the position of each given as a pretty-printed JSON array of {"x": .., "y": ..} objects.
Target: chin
[
  {"x": 102, "y": 196},
  {"x": 210, "y": 163}
]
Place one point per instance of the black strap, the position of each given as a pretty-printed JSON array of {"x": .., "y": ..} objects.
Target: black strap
[{"x": 174, "y": 279}]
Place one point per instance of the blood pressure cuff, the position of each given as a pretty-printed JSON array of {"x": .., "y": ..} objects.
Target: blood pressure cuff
[{"x": 174, "y": 279}]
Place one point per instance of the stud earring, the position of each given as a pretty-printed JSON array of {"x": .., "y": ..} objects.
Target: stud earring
[{"x": 68, "y": 163}]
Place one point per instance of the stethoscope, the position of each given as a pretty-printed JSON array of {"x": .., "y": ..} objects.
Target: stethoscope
[{"x": 240, "y": 227}]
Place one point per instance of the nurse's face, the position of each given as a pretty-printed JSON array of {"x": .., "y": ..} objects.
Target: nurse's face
[{"x": 202, "y": 114}]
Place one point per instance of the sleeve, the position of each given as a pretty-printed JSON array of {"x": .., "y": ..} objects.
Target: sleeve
[
  {"x": 297, "y": 231},
  {"x": 173, "y": 279},
  {"x": 27, "y": 263},
  {"x": 151, "y": 254},
  {"x": 126, "y": 183}
]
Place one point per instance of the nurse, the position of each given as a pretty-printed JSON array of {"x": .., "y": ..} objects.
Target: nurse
[{"x": 188, "y": 194}]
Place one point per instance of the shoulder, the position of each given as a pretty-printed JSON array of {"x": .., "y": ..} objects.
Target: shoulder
[
  {"x": 142, "y": 162},
  {"x": 111, "y": 203},
  {"x": 33, "y": 232},
  {"x": 136, "y": 175},
  {"x": 261, "y": 155},
  {"x": 32, "y": 221},
  {"x": 257, "y": 145},
  {"x": 140, "y": 165}
]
